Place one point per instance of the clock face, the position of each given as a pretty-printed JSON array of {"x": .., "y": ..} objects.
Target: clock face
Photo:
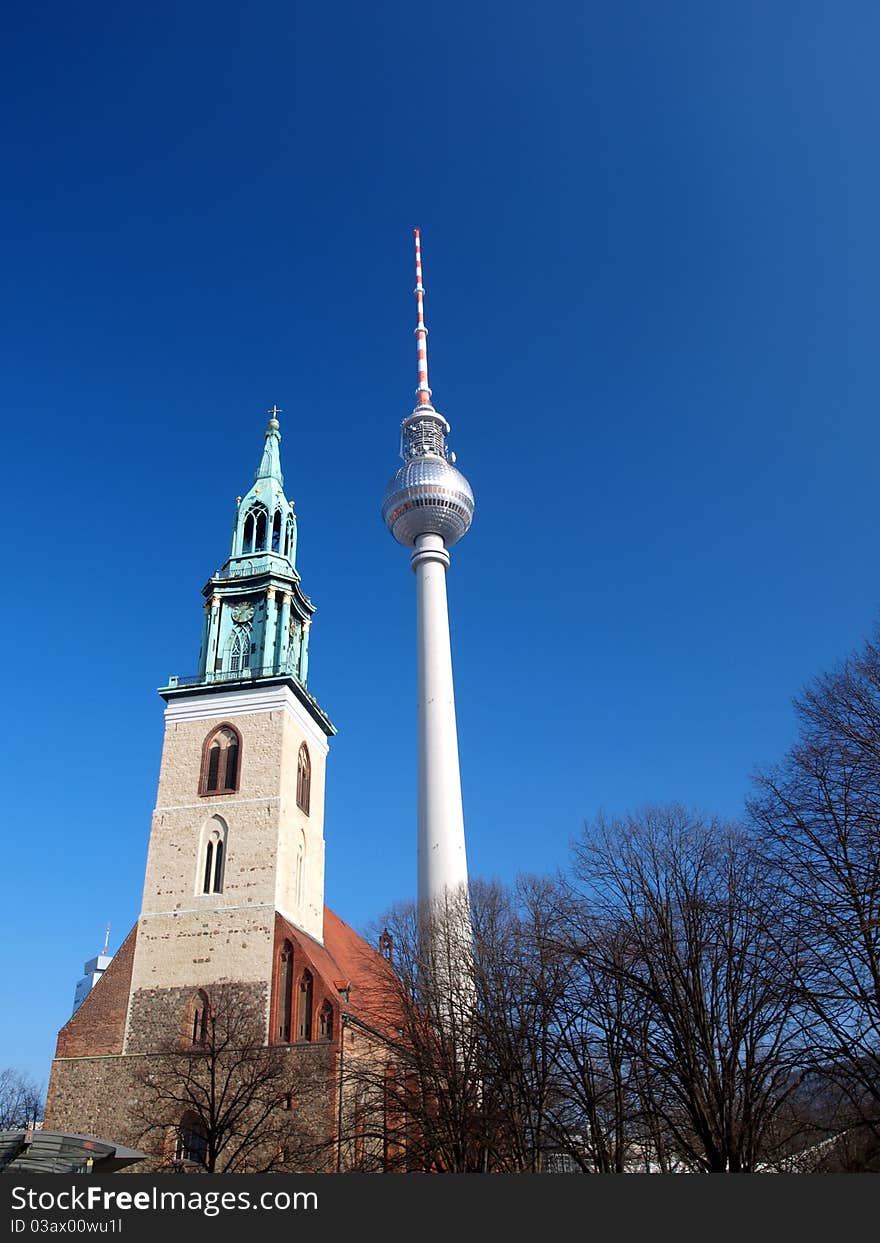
[{"x": 242, "y": 613}]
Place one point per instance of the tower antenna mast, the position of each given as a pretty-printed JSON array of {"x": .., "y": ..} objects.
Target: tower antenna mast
[{"x": 423, "y": 392}]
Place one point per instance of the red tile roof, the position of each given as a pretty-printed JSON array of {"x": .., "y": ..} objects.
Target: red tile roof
[{"x": 347, "y": 962}]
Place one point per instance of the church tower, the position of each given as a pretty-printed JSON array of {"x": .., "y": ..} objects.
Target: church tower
[
  {"x": 238, "y": 828},
  {"x": 234, "y": 884}
]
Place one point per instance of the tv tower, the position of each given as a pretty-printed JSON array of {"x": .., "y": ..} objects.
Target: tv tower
[{"x": 428, "y": 506}]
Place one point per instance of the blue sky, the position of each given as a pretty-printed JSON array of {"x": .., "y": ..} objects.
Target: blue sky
[{"x": 652, "y": 266}]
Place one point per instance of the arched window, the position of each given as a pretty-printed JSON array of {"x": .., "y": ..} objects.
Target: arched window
[
  {"x": 262, "y": 523},
  {"x": 247, "y": 540},
  {"x": 213, "y": 878},
  {"x": 200, "y": 1018},
  {"x": 305, "y": 1006},
  {"x": 276, "y": 531},
  {"x": 253, "y": 533},
  {"x": 212, "y": 856},
  {"x": 192, "y": 1140},
  {"x": 303, "y": 779},
  {"x": 285, "y": 990},
  {"x": 325, "y": 1022},
  {"x": 239, "y": 649},
  {"x": 220, "y": 761},
  {"x": 288, "y": 531}
]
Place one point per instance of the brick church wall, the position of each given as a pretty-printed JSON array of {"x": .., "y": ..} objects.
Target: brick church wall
[{"x": 98, "y": 1026}]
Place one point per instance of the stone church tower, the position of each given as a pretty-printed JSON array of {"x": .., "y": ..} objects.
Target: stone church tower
[{"x": 234, "y": 884}]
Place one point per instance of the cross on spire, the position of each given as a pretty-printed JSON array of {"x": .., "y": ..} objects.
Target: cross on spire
[{"x": 275, "y": 411}]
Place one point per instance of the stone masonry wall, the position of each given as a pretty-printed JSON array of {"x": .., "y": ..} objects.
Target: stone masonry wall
[
  {"x": 105, "y": 1097},
  {"x": 190, "y": 938},
  {"x": 159, "y": 1016},
  {"x": 93, "y": 1096},
  {"x": 197, "y": 948}
]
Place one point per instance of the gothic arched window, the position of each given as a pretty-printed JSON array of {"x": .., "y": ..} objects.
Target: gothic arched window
[
  {"x": 239, "y": 649},
  {"x": 305, "y": 1006},
  {"x": 325, "y": 1022},
  {"x": 212, "y": 881},
  {"x": 303, "y": 779},
  {"x": 212, "y": 852},
  {"x": 276, "y": 531},
  {"x": 253, "y": 533},
  {"x": 200, "y": 1018},
  {"x": 285, "y": 990},
  {"x": 262, "y": 523},
  {"x": 192, "y": 1140},
  {"x": 220, "y": 761},
  {"x": 247, "y": 539}
]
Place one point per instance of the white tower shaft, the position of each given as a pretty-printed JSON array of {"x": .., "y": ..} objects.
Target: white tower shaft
[{"x": 442, "y": 861}]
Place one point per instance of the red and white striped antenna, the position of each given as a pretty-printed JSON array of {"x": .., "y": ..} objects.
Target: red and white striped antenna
[{"x": 423, "y": 393}]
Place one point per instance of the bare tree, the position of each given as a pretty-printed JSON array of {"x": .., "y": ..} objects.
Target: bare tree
[
  {"x": 819, "y": 814},
  {"x": 467, "y": 1084},
  {"x": 433, "y": 1086},
  {"x": 225, "y": 1102},
  {"x": 21, "y": 1100},
  {"x": 686, "y": 911},
  {"x": 639, "y": 1015},
  {"x": 473, "y": 1081},
  {"x": 522, "y": 977},
  {"x": 601, "y": 1123}
]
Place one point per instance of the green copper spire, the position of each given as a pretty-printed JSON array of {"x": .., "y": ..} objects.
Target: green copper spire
[
  {"x": 264, "y": 520},
  {"x": 257, "y": 617}
]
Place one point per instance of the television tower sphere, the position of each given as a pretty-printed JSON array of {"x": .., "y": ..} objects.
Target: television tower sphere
[{"x": 427, "y": 495}]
